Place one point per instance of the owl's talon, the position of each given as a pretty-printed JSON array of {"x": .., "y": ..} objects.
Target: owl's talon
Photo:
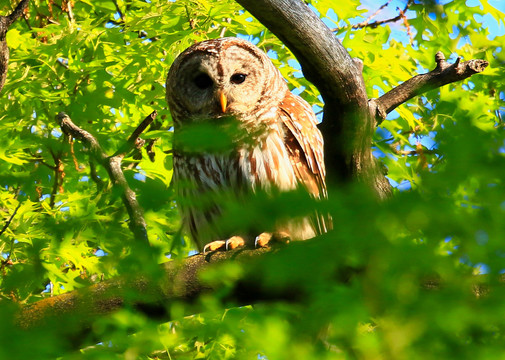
[
  {"x": 265, "y": 239},
  {"x": 230, "y": 244},
  {"x": 214, "y": 245},
  {"x": 262, "y": 240},
  {"x": 234, "y": 242}
]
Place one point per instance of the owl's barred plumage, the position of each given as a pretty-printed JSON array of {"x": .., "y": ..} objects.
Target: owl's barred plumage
[{"x": 213, "y": 81}]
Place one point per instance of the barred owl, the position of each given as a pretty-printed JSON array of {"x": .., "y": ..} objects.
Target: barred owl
[{"x": 215, "y": 80}]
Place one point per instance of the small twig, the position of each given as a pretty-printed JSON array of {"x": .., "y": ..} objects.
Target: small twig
[
  {"x": 190, "y": 20},
  {"x": 406, "y": 24},
  {"x": 37, "y": 158},
  {"x": 375, "y": 24},
  {"x": 62, "y": 63},
  {"x": 223, "y": 30},
  {"x": 443, "y": 74},
  {"x": 412, "y": 152},
  {"x": 94, "y": 176},
  {"x": 69, "y": 10},
  {"x": 143, "y": 125},
  {"x": 8, "y": 222},
  {"x": 72, "y": 153},
  {"x": 58, "y": 178},
  {"x": 8, "y": 260},
  {"x": 119, "y": 11},
  {"x": 367, "y": 21},
  {"x": 132, "y": 141},
  {"x": 156, "y": 125}
]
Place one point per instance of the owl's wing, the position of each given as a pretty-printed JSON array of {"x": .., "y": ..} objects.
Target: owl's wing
[{"x": 304, "y": 143}]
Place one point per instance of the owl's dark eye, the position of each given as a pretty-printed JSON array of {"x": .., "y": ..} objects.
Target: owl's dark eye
[
  {"x": 203, "y": 81},
  {"x": 238, "y": 78}
]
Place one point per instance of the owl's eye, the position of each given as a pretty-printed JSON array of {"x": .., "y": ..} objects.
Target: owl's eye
[
  {"x": 238, "y": 78},
  {"x": 203, "y": 81}
]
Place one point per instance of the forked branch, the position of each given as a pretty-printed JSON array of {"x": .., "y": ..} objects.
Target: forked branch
[
  {"x": 113, "y": 166},
  {"x": 443, "y": 74}
]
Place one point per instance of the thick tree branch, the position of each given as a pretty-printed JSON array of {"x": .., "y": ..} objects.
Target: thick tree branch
[
  {"x": 179, "y": 281},
  {"x": 443, "y": 74},
  {"x": 347, "y": 125},
  {"x": 182, "y": 282},
  {"x": 113, "y": 166}
]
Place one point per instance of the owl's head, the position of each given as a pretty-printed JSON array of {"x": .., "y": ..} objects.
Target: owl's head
[{"x": 223, "y": 77}]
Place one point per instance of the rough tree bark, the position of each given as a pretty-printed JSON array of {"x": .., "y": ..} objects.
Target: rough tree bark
[
  {"x": 5, "y": 22},
  {"x": 348, "y": 124}
]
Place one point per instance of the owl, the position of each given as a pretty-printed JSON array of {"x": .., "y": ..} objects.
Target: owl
[{"x": 279, "y": 147}]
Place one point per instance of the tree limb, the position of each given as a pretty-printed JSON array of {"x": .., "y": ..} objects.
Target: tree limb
[
  {"x": 5, "y": 23},
  {"x": 112, "y": 164},
  {"x": 179, "y": 281},
  {"x": 443, "y": 74}
]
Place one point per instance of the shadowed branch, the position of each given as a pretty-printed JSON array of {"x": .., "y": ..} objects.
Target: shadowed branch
[{"x": 179, "y": 281}]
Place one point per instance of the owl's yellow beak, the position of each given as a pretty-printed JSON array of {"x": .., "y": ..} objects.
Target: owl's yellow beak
[{"x": 222, "y": 100}]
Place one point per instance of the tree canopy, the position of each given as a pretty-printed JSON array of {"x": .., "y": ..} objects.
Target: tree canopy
[{"x": 80, "y": 192}]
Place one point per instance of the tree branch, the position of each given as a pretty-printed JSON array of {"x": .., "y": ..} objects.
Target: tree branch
[
  {"x": 347, "y": 125},
  {"x": 132, "y": 140},
  {"x": 18, "y": 11},
  {"x": 443, "y": 74},
  {"x": 5, "y": 23},
  {"x": 180, "y": 281},
  {"x": 112, "y": 164}
]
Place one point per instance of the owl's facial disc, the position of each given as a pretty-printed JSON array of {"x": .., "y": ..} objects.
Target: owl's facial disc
[{"x": 220, "y": 83}]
